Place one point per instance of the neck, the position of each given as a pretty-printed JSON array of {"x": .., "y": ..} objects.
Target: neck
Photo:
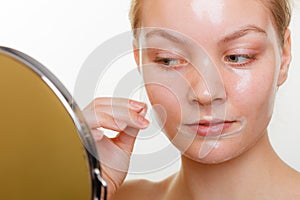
[{"x": 249, "y": 173}]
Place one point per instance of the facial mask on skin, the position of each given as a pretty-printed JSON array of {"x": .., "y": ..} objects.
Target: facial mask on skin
[{"x": 186, "y": 86}]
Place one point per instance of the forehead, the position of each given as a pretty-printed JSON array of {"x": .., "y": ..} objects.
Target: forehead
[{"x": 209, "y": 19}]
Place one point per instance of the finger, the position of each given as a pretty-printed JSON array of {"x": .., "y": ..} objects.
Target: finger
[
  {"x": 101, "y": 119},
  {"x": 123, "y": 102},
  {"x": 109, "y": 104},
  {"x": 123, "y": 142},
  {"x": 120, "y": 115},
  {"x": 126, "y": 139},
  {"x": 97, "y": 134},
  {"x": 112, "y": 155}
]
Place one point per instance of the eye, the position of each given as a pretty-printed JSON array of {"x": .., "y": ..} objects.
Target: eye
[
  {"x": 239, "y": 60},
  {"x": 170, "y": 62}
]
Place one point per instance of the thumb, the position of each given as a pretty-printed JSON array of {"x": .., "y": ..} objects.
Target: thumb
[
  {"x": 126, "y": 139},
  {"x": 115, "y": 152}
]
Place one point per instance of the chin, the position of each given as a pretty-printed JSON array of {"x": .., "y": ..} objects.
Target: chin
[
  {"x": 215, "y": 158},
  {"x": 216, "y": 152},
  {"x": 221, "y": 150}
]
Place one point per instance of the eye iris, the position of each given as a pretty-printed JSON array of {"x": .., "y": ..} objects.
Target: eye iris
[
  {"x": 170, "y": 62},
  {"x": 233, "y": 58},
  {"x": 166, "y": 61}
]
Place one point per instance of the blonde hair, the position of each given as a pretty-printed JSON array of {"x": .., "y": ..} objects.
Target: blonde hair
[{"x": 280, "y": 10}]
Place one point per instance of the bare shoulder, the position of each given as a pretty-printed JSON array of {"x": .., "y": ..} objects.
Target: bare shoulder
[
  {"x": 137, "y": 189},
  {"x": 296, "y": 185},
  {"x": 289, "y": 185},
  {"x": 144, "y": 189}
]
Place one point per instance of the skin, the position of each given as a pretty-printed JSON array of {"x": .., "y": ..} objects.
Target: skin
[
  {"x": 246, "y": 87},
  {"x": 240, "y": 167}
]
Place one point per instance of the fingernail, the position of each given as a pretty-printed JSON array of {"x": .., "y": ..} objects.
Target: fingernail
[
  {"x": 144, "y": 111},
  {"x": 142, "y": 121},
  {"x": 136, "y": 105}
]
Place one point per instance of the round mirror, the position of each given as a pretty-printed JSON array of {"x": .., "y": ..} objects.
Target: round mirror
[{"x": 46, "y": 150}]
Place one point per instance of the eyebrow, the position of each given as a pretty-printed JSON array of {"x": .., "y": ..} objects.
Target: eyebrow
[
  {"x": 242, "y": 32},
  {"x": 165, "y": 34},
  {"x": 230, "y": 37}
]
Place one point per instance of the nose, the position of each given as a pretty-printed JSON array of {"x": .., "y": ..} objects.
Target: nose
[{"x": 206, "y": 86}]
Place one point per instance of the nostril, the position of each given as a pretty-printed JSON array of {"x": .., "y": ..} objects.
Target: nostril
[{"x": 206, "y": 98}]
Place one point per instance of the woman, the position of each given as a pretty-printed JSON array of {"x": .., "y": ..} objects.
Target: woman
[{"x": 249, "y": 46}]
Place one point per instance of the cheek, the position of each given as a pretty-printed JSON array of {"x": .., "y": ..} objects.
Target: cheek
[
  {"x": 162, "y": 96},
  {"x": 253, "y": 93},
  {"x": 166, "y": 105}
]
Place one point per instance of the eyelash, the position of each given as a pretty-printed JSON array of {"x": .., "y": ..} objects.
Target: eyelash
[
  {"x": 165, "y": 62},
  {"x": 248, "y": 57}
]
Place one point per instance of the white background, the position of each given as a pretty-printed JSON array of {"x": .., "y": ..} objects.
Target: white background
[{"x": 61, "y": 35}]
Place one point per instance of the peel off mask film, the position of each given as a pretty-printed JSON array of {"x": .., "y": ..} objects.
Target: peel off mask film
[
  {"x": 210, "y": 108},
  {"x": 186, "y": 91}
]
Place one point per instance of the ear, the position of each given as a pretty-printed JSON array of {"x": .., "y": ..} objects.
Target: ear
[
  {"x": 286, "y": 58},
  {"x": 136, "y": 55}
]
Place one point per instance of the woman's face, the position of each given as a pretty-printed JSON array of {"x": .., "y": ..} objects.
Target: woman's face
[{"x": 213, "y": 86}]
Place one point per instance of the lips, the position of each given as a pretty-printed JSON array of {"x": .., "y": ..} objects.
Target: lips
[{"x": 211, "y": 128}]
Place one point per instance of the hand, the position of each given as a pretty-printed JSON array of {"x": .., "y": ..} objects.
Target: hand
[{"x": 124, "y": 116}]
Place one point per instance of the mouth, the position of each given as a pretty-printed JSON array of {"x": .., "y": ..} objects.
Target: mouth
[{"x": 211, "y": 128}]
